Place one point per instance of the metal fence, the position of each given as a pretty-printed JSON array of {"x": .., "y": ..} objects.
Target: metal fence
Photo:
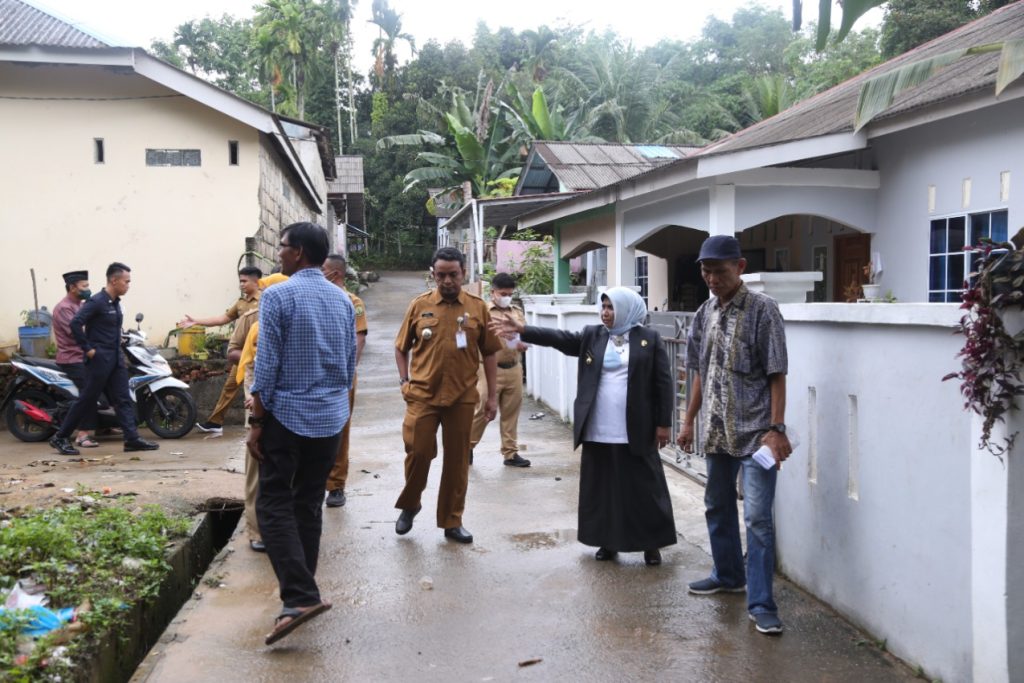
[{"x": 674, "y": 328}]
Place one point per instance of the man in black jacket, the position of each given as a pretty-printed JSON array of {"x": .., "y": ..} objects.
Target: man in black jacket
[{"x": 97, "y": 329}]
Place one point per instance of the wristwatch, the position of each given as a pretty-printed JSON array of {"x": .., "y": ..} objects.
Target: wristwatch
[
  {"x": 402, "y": 381},
  {"x": 257, "y": 421},
  {"x": 777, "y": 427}
]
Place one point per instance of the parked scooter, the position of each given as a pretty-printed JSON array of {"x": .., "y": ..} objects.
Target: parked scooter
[{"x": 41, "y": 395}]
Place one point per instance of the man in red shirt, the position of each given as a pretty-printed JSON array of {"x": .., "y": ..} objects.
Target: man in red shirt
[{"x": 70, "y": 356}]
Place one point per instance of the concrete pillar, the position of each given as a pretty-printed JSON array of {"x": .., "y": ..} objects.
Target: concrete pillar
[
  {"x": 625, "y": 264},
  {"x": 723, "y": 210},
  {"x": 563, "y": 280},
  {"x": 997, "y": 549}
]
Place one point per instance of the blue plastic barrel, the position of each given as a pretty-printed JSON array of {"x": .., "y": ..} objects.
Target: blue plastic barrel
[{"x": 34, "y": 340}]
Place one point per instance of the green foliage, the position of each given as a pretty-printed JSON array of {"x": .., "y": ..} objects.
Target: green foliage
[
  {"x": 909, "y": 23},
  {"x": 537, "y": 271},
  {"x": 78, "y": 553}
]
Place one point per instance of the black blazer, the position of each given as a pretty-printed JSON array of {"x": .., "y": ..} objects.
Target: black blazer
[{"x": 649, "y": 389}]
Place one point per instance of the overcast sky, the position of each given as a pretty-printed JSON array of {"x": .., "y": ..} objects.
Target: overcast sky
[{"x": 137, "y": 23}]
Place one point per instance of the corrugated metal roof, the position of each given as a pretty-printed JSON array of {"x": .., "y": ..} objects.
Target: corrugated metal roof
[
  {"x": 585, "y": 166},
  {"x": 833, "y": 111},
  {"x": 23, "y": 24}
]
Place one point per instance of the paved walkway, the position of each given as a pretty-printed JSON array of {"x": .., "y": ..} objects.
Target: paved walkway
[{"x": 420, "y": 608}]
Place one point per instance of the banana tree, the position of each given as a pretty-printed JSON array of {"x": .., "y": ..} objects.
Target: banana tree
[
  {"x": 877, "y": 93},
  {"x": 480, "y": 148},
  {"x": 852, "y": 11},
  {"x": 534, "y": 119}
]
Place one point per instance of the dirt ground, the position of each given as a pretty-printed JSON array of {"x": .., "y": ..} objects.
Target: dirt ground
[{"x": 180, "y": 477}]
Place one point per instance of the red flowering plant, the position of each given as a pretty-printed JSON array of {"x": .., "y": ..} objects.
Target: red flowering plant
[{"x": 990, "y": 374}]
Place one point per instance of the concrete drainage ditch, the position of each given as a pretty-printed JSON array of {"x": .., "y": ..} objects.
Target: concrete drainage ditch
[{"x": 121, "y": 653}]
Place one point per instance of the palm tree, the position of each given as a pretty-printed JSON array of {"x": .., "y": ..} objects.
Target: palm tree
[
  {"x": 389, "y": 25},
  {"x": 289, "y": 33}
]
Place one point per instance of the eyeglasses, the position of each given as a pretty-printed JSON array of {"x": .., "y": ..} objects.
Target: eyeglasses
[{"x": 283, "y": 245}]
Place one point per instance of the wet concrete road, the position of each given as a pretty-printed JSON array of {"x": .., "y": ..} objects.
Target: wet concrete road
[{"x": 418, "y": 607}]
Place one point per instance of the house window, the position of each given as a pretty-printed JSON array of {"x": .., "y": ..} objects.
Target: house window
[
  {"x": 641, "y": 276},
  {"x": 233, "y": 152},
  {"x": 97, "y": 151},
  {"x": 948, "y": 263},
  {"x": 173, "y": 157}
]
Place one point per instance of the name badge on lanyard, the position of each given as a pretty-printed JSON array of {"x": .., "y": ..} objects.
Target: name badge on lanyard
[{"x": 460, "y": 336}]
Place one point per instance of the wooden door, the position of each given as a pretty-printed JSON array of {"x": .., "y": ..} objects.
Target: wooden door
[{"x": 853, "y": 252}]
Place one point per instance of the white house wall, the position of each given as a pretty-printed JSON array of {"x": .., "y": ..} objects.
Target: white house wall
[
  {"x": 873, "y": 511},
  {"x": 181, "y": 229},
  {"x": 689, "y": 210},
  {"x": 854, "y": 207},
  {"x": 978, "y": 146}
]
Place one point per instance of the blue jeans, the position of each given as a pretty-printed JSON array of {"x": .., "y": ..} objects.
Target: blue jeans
[{"x": 724, "y": 529}]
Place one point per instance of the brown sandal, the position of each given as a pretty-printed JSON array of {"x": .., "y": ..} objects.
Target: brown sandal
[{"x": 295, "y": 616}]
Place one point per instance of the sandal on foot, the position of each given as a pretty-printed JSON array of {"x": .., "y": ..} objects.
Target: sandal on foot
[
  {"x": 291, "y": 618},
  {"x": 87, "y": 442}
]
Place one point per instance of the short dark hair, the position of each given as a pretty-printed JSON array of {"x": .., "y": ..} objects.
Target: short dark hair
[
  {"x": 339, "y": 259},
  {"x": 448, "y": 254},
  {"x": 116, "y": 268},
  {"x": 251, "y": 271},
  {"x": 311, "y": 238},
  {"x": 503, "y": 281}
]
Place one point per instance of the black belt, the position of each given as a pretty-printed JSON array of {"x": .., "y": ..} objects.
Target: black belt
[{"x": 508, "y": 366}]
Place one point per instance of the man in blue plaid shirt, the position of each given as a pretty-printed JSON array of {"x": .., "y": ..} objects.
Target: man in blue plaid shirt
[{"x": 305, "y": 362}]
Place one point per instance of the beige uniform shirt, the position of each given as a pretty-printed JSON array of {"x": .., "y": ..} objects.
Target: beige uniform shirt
[{"x": 446, "y": 340}]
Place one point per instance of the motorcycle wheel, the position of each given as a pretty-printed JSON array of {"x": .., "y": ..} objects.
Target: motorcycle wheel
[
  {"x": 23, "y": 428},
  {"x": 181, "y": 413}
]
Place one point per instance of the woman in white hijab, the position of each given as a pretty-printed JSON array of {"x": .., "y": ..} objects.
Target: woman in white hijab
[{"x": 622, "y": 416}]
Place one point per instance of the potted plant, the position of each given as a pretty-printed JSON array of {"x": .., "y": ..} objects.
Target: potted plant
[
  {"x": 990, "y": 380},
  {"x": 873, "y": 273}
]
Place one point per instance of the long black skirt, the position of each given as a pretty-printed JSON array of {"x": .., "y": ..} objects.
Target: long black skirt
[{"x": 624, "y": 500}]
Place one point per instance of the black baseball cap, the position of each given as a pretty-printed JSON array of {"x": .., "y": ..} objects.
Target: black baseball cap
[{"x": 720, "y": 248}]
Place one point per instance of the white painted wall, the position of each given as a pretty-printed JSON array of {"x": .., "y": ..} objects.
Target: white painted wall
[
  {"x": 874, "y": 509},
  {"x": 977, "y": 145}
]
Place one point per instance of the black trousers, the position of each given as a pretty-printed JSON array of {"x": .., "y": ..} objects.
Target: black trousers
[
  {"x": 104, "y": 373},
  {"x": 289, "y": 507},
  {"x": 76, "y": 373}
]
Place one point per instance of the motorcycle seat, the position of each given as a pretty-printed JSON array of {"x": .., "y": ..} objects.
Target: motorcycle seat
[{"x": 41, "y": 362}]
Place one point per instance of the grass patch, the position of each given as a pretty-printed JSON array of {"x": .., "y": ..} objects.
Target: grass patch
[{"x": 91, "y": 551}]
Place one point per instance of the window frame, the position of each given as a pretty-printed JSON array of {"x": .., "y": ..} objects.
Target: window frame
[{"x": 947, "y": 293}]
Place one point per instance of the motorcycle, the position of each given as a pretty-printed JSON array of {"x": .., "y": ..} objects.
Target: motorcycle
[{"x": 41, "y": 394}]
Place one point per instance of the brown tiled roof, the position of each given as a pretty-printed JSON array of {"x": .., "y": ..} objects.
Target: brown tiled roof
[
  {"x": 23, "y": 24},
  {"x": 833, "y": 111}
]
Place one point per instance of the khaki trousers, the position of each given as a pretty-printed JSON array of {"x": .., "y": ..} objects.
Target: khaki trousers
[
  {"x": 339, "y": 473},
  {"x": 419, "y": 431},
  {"x": 227, "y": 395},
  {"x": 252, "y": 472},
  {"x": 510, "y": 400}
]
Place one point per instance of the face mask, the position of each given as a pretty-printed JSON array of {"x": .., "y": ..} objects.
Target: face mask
[
  {"x": 85, "y": 294},
  {"x": 504, "y": 301}
]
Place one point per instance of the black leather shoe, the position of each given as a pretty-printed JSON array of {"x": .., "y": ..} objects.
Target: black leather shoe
[
  {"x": 517, "y": 461},
  {"x": 404, "y": 523},
  {"x": 652, "y": 558},
  {"x": 140, "y": 445},
  {"x": 63, "y": 446},
  {"x": 257, "y": 546},
  {"x": 335, "y": 498},
  {"x": 459, "y": 534},
  {"x": 603, "y": 555}
]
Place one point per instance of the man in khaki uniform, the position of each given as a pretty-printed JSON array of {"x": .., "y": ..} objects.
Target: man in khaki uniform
[
  {"x": 510, "y": 377},
  {"x": 243, "y": 378},
  {"x": 446, "y": 330},
  {"x": 248, "y": 285},
  {"x": 334, "y": 270}
]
